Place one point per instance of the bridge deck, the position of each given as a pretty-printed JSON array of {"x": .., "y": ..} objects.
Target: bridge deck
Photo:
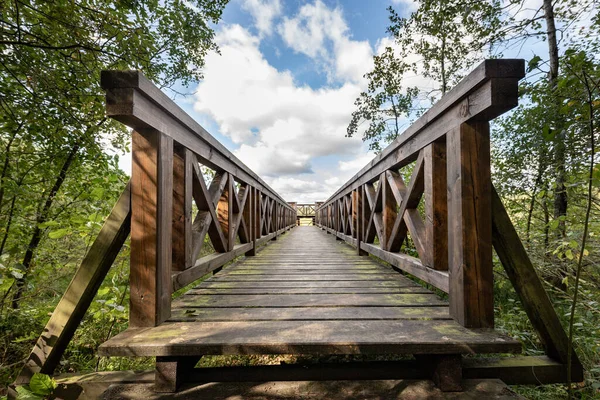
[{"x": 308, "y": 293}]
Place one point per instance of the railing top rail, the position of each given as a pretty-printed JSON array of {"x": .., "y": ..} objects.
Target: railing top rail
[
  {"x": 134, "y": 100},
  {"x": 468, "y": 102}
]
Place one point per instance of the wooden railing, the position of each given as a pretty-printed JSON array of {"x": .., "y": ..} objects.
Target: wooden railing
[
  {"x": 448, "y": 149},
  {"x": 173, "y": 158}
]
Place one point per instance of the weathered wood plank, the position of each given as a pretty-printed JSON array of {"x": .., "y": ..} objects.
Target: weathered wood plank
[
  {"x": 151, "y": 218},
  {"x": 310, "y": 300},
  {"x": 182, "y": 212},
  {"x": 470, "y": 226},
  {"x": 302, "y": 337},
  {"x": 527, "y": 284},
  {"x": 412, "y": 265},
  {"x": 400, "y": 283},
  {"x": 436, "y": 206},
  {"x": 69, "y": 312},
  {"x": 207, "y": 264},
  {"x": 322, "y": 277},
  {"x": 308, "y": 313},
  {"x": 291, "y": 291}
]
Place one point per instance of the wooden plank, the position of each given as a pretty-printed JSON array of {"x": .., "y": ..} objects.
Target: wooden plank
[
  {"x": 322, "y": 277},
  {"x": 309, "y": 272},
  {"x": 436, "y": 206},
  {"x": 225, "y": 213},
  {"x": 470, "y": 226},
  {"x": 399, "y": 283},
  {"x": 207, "y": 264},
  {"x": 389, "y": 212},
  {"x": 527, "y": 284},
  {"x": 310, "y": 300},
  {"x": 151, "y": 217},
  {"x": 69, "y": 312},
  {"x": 207, "y": 314},
  {"x": 207, "y": 200},
  {"x": 302, "y": 337},
  {"x": 410, "y": 201},
  {"x": 182, "y": 211},
  {"x": 412, "y": 265},
  {"x": 521, "y": 370},
  {"x": 289, "y": 291},
  {"x": 172, "y": 372}
]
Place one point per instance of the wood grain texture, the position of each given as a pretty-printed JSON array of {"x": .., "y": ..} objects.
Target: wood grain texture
[
  {"x": 436, "y": 206},
  {"x": 528, "y": 285},
  {"x": 151, "y": 218},
  {"x": 470, "y": 226},
  {"x": 277, "y": 305}
]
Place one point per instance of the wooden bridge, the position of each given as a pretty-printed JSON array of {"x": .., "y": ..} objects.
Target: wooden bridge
[{"x": 366, "y": 280}]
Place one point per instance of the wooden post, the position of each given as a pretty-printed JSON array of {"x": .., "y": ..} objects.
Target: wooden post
[
  {"x": 436, "y": 206},
  {"x": 251, "y": 220},
  {"x": 389, "y": 213},
  {"x": 470, "y": 226},
  {"x": 274, "y": 218},
  {"x": 182, "y": 211},
  {"x": 71, "y": 309},
  {"x": 225, "y": 211},
  {"x": 360, "y": 220},
  {"x": 151, "y": 231},
  {"x": 171, "y": 372}
]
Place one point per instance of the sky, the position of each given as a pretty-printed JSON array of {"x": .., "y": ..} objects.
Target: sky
[{"x": 281, "y": 93}]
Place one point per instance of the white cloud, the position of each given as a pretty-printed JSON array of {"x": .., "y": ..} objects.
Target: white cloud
[
  {"x": 264, "y": 13},
  {"x": 322, "y": 34},
  {"x": 407, "y": 5},
  {"x": 280, "y": 126}
]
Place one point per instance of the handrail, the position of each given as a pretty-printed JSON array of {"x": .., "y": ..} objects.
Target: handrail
[
  {"x": 237, "y": 210},
  {"x": 450, "y": 148},
  {"x": 131, "y": 106}
]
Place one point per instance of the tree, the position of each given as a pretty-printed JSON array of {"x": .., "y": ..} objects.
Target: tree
[
  {"x": 384, "y": 103},
  {"x": 448, "y": 37},
  {"x": 441, "y": 40},
  {"x": 52, "y": 115}
]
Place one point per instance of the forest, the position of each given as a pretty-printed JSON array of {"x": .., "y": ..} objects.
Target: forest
[{"x": 59, "y": 174}]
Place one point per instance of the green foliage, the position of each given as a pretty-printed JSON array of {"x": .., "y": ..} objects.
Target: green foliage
[{"x": 384, "y": 103}]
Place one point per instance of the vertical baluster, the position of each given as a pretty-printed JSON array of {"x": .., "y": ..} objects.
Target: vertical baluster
[
  {"x": 182, "y": 211},
  {"x": 389, "y": 213},
  {"x": 436, "y": 206}
]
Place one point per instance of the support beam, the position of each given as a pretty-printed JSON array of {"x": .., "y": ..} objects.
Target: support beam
[
  {"x": 171, "y": 372},
  {"x": 69, "y": 312}
]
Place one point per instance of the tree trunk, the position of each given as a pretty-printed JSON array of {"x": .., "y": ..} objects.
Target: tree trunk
[
  {"x": 560, "y": 193},
  {"x": 41, "y": 218}
]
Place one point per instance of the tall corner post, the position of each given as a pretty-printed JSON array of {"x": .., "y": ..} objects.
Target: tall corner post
[
  {"x": 470, "y": 225},
  {"x": 151, "y": 228}
]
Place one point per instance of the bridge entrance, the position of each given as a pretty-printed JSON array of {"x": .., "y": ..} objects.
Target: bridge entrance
[{"x": 398, "y": 263}]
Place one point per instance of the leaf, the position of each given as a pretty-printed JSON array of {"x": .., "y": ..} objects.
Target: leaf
[
  {"x": 533, "y": 63},
  {"x": 42, "y": 384},
  {"x": 23, "y": 393},
  {"x": 16, "y": 274},
  {"x": 57, "y": 234},
  {"x": 569, "y": 254}
]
